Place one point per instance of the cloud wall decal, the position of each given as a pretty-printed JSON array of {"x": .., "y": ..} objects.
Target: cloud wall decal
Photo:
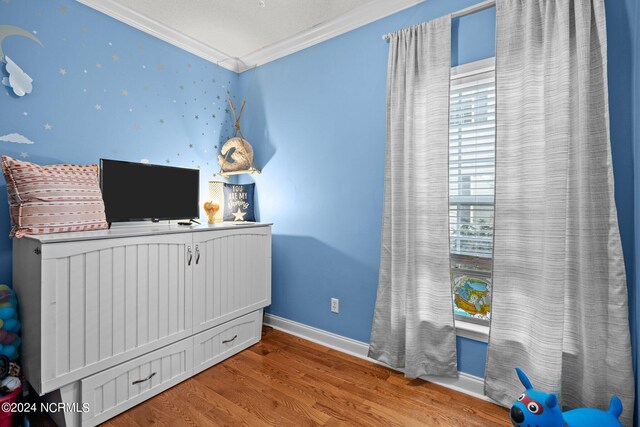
[
  {"x": 18, "y": 80},
  {"x": 16, "y": 138}
]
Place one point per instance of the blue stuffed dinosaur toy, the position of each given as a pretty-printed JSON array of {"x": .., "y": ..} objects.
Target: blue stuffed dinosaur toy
[{"x": 540, "y": 409}]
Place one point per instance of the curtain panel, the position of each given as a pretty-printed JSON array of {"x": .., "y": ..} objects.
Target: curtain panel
[
  {"x": 413, "y": 325},
  {"x": 559, "y": 289}
]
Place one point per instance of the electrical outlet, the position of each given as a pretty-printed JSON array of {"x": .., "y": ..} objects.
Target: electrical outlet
[{"x": 335, "y": 305}]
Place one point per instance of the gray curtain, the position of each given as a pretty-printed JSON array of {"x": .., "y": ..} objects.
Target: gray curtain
[
  {"x": 559, "y": 288},
  {"x": 413, "y": 321}
]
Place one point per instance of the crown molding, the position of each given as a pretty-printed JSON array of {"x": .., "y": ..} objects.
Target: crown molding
[
  {"x": 150, "y": 26},
  {"x": 351, "y": 20}
]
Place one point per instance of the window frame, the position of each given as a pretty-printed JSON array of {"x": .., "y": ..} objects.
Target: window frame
[{"x": 468, "y": 327}]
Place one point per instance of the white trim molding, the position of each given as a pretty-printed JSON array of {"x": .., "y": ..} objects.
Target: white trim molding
[
  {"x": 363, "y": 15},
  {"x": 358, "y": 17},
  {"x": 159, "y": 30},
  {"x": 473, "y": 331},
  {"x": 465, "y": 383}
]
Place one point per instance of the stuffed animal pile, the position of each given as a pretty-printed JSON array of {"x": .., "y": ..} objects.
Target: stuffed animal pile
[{"x": 540, "y": 409}]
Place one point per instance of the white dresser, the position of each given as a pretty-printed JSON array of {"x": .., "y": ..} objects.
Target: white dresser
[{"x": 113, "y": 317}]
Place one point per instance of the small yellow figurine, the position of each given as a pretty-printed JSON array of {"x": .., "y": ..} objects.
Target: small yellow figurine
[{"x": 211, "y": 209}]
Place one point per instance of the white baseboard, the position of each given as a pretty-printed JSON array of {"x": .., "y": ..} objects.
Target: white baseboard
[{"x": 465, "y": 383}]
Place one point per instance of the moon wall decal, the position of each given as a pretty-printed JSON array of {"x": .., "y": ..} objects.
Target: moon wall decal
[{"x": 12, "y": 30}]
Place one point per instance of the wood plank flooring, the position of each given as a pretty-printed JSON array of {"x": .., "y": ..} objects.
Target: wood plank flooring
[{"x": 288, "y": 381}]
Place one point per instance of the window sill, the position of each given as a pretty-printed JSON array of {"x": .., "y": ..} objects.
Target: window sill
[{"x": 472, "y": 331}]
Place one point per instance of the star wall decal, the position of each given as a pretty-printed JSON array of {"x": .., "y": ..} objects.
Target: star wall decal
[
  {"x": 98, "y": 107},
  {"x": 47, "y": 126},
  {"x": 62, "y": 72},
  {"x": 24, "y": 155},
  {"x": 239, "y": 215}
]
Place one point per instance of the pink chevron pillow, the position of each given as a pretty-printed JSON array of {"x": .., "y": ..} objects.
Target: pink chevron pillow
[{"x": 53, "y": 199}]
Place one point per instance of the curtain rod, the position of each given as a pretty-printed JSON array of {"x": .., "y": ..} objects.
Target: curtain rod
[{"x": 467, "y": 11}]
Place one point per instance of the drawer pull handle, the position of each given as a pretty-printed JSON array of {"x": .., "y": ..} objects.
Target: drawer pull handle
[
  {"x": 226, "y": 341},
  {"x": 189, "y": 255},
  {"x": 144, "y": 380},
  {"x": 197, "y": 254}
]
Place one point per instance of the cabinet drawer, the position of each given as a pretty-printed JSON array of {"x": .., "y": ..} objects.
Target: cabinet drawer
[
  {"x": 216, "y": 344},
  {"x": 124, "y": 386}
]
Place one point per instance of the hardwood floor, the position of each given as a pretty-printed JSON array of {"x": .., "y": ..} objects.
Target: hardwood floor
[{"x": 285, "y": 380}]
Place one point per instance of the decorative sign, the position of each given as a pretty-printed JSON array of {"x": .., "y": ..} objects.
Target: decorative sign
[{"x": 238, "y": 202}]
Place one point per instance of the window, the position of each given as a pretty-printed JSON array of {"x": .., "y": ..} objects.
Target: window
[{"x": 472, "y": 122}]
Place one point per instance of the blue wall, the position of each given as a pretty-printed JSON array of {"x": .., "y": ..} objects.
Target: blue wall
[
  {"x": 317, "y": 121},
  {"x": 624, "y": 97},
  {"x": 633, "y": 10},
  {"x": 149, "y": 93}
]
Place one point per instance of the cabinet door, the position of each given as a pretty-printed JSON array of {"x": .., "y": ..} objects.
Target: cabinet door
[
  {"x": 232, "y": 274},
  {"x": 106, "y": 301}
]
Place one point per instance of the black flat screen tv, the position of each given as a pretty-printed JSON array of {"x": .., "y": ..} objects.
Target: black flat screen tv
[{"x": 139, "y": 191}]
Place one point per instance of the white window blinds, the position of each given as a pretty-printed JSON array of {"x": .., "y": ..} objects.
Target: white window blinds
[{"x": 472, "y": 124}]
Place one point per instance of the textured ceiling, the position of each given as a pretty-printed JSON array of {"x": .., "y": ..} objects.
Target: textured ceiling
[{"x": 240, "y": 27}]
